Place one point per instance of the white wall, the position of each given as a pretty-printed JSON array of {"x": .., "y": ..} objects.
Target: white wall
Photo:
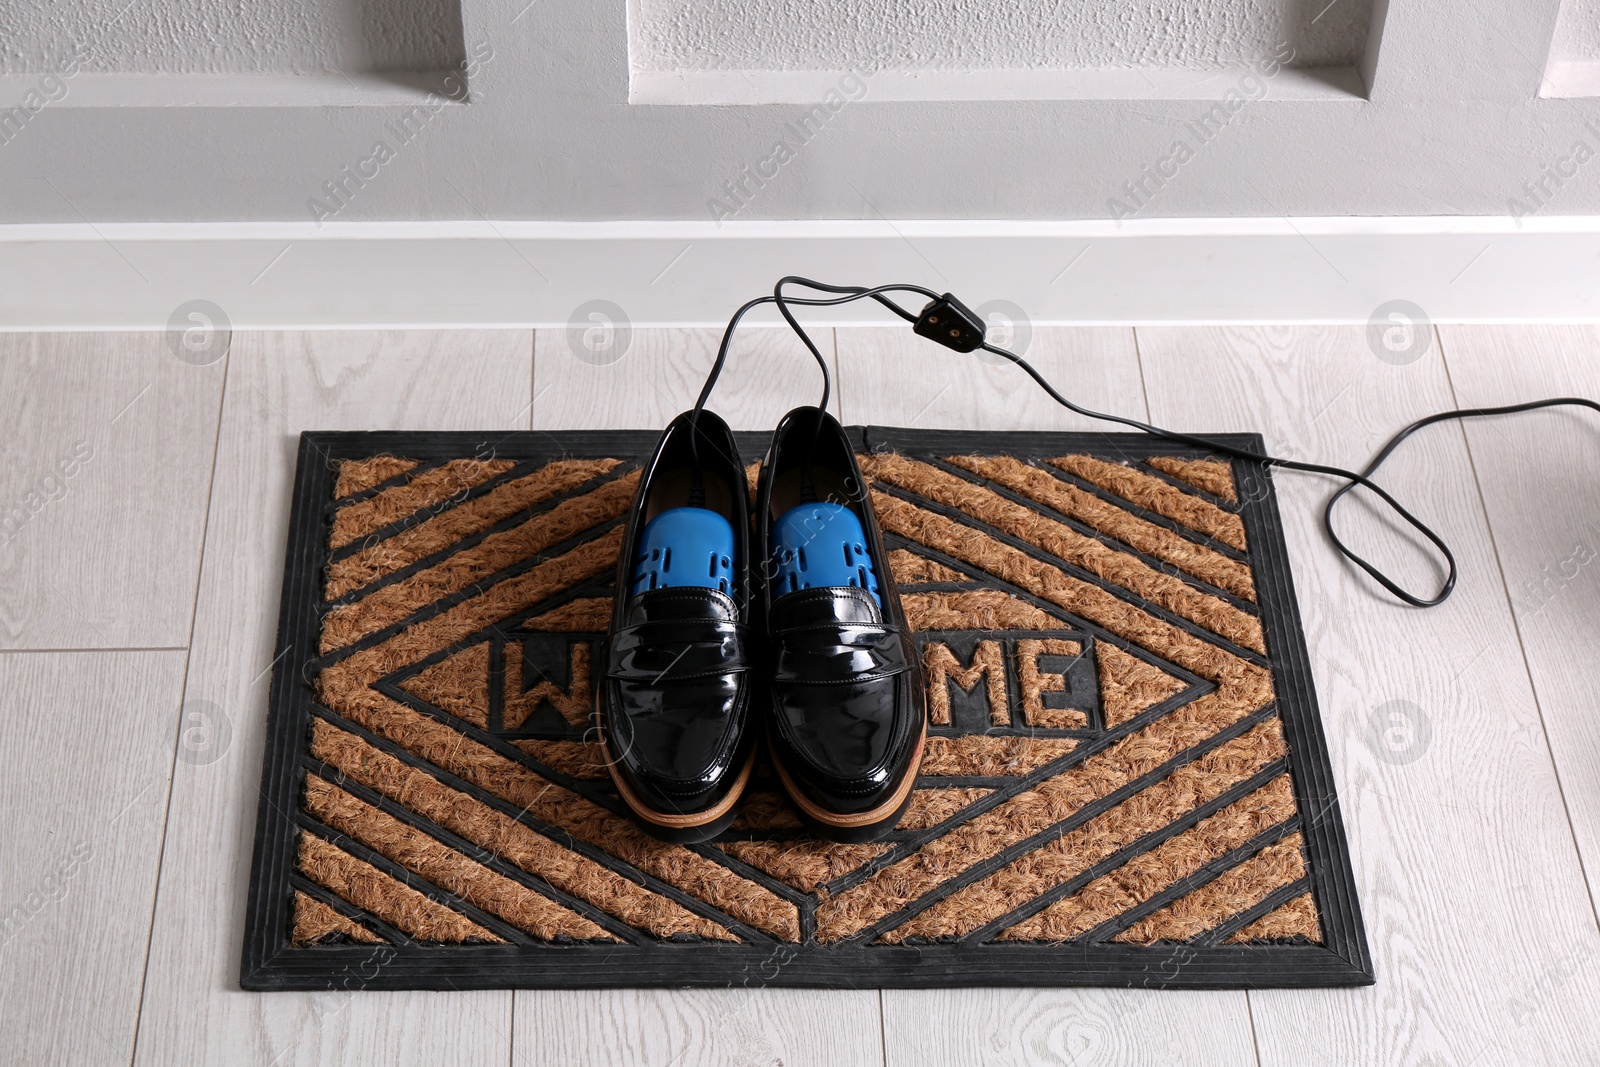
[
  {"x": 988, "y": 34},
  {"x": 230, "y": 36},
  {"x": 1449, "y": 119},
  {"x": 1577, "y": 33}
]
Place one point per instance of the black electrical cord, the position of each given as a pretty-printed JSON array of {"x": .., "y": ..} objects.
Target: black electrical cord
[
  {"x": 1351, "y": 478},
  {"x": 851, "y": 293}
]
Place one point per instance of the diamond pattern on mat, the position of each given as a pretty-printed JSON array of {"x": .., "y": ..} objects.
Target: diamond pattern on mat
[{"x": 432, "y": 705}]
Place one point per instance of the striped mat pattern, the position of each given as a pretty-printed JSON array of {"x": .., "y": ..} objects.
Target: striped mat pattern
[{"x": 1107, "y": 763}]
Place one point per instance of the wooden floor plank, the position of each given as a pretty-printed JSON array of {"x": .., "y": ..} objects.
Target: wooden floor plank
[
  {"x": 1484, "y": 943},
  {"x": 278, "y": 385},
  {"x": 110, "y": 438},
  {"x": 87, "y": 742},
  {"x": 711, "y": 1027},
  {"x": 656, "y": 374},
  {"x": 893, "y": 377},
  {"x": 1538, "y": 476},
  {"x": 768, "y": 374}
]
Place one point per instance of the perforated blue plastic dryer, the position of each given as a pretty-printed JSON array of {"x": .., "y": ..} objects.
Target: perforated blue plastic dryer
[
  {"x": 685, "y": 547},
  {"x": 819, "y": 545}
]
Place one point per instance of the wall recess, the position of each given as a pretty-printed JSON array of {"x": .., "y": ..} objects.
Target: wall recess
[
  {"x": 733, "y": 52},
  {"x": 217, "y": 53}
]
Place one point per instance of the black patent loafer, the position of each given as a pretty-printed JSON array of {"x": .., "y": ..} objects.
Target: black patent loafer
[
  {"x": 846, "y": 713},
  {"x": 674, "y": 705}
]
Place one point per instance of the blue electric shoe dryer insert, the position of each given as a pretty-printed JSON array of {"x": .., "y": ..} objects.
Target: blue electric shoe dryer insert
[
  {"x": 816, "y": 546},
  {"x": 685, "y": 547}
]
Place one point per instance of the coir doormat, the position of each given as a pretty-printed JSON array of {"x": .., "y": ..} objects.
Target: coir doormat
[{"x": 1125, "y": 782}]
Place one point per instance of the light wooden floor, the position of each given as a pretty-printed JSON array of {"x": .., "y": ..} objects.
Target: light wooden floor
[{"x": 138, "y": 604}]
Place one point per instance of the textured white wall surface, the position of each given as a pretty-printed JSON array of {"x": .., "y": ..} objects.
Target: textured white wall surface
[
  {"x": 1577, "y": 36},
  {"x": 230, "y": 36},
  {"x": 990, "y": 34},
  {"x": 1450, "y": 121}
]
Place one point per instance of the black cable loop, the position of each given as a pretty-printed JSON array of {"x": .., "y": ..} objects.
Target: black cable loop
[
  {"x": 852, "y": 293},
  {"x": 1352, "y": 479}
]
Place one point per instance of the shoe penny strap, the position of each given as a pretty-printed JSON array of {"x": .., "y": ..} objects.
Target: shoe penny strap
[
  {"x": 675, "y": 650},
  {"x": 837, "y": 653}
]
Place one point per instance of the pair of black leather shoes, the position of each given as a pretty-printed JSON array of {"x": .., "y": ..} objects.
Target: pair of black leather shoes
[{"x": 801, "y": 640}]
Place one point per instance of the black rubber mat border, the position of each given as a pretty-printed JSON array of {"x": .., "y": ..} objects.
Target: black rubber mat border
[{"x": 271, "y": 962}]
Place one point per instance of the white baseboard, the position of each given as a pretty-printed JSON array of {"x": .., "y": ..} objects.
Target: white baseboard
[{"x": 294, "y": 275}]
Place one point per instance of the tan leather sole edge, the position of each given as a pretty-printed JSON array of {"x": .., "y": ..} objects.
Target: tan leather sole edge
[
  {"x": 684, "y": 822},
  {"x": 864, "y": 818}
]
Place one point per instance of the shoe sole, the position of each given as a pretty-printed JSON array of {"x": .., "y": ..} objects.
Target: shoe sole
[
  {"x": 862, "y": 826},
  {"x": 691, "y": 828}
]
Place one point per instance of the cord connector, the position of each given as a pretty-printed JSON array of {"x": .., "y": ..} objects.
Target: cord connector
[{"x": 952, "y": 324}]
